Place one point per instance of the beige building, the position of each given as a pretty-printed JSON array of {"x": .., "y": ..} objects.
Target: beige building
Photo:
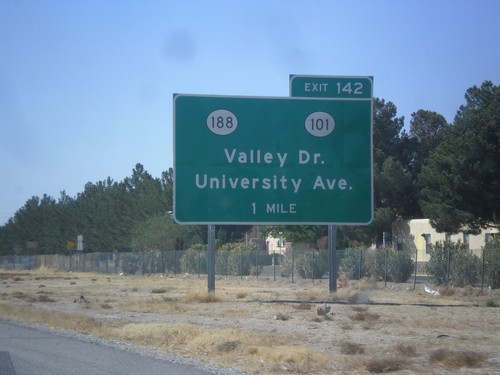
[
  {"x": 418, "y": 234},
  {"x": 277, "y": 245}
]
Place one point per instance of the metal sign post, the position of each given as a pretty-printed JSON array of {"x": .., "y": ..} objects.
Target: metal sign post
[
  {"x": 211, "y": 258},
  {"x": 332, "y": 257}
]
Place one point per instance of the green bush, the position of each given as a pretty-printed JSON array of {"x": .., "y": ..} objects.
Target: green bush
[
  {"x": 131, "y": 262},
  {"x": 452, "y": 262},
  {"x": 490, "y": 302},
  {"x": 235, "y": 259},
  {"x": 356, "y": 263},
  {"x": 351, "y": 263},
  {"x": 194, "y": 259},
  {"x": 492, "y": 264},
  {"x": 311, "y": 264},
  {"x": 400, "y": 266}
]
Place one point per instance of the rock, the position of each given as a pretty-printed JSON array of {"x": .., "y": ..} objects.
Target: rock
[{"x": 323, "y": 310}]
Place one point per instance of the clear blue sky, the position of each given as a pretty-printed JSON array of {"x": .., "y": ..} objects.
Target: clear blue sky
[{"x": 86, "y": 86}]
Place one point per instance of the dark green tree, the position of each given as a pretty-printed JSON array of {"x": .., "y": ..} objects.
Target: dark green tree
[
  {"x": 460, "y": 180},
  {"x": 387, "y": 131},
  {"x": 390, "y": 174},
  {"x": 425, "y": 134}
]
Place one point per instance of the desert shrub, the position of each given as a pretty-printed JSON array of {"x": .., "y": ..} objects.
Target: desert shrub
[
  {"x": 400, "y": 266},
  {"x": 159, "y": 290},
  {"x": 357, "y": 263},
  {"x": 364, "y": 316},
  {"x": 490, "y": 302},
  {"x": 465, "y": 269},
  {"x": 456, "y": 359},
  {"x": 451, "y": 262},
  {"x": 351, "y": 263},
  {"x": 222, "y": 262},
  {"x": 351, "y": 348},
  {"x": 153, "y": 262},
  {"x": 200, "y": 297},
  {"x": 311, "y": 264},
  {"x": 236, "y": 259},
  {"x": 282, "y": 316},
  {"x": 131, "y": 262},
  {"x": 492, "y": 264},
  {"x": 228, "y": 346},
  {"x": 389, "y": 364},
  {"x": 303, "y": 306},
  {"x": 172, "y": 261},
  {"x": 194, "y": 259}
]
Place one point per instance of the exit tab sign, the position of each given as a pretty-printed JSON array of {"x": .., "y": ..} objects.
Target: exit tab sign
[
  {"x": 342, "y": 87},
  {"x": 268, "y": 160}
]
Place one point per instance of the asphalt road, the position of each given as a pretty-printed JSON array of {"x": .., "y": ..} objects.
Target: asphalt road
[{"x": 28, "y": 350}]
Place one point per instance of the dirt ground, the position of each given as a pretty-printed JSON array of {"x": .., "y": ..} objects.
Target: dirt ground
[{"x": 271, "y": 327}]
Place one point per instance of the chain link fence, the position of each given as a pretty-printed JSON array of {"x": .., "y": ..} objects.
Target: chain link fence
[{"x": 356, "y": 263}]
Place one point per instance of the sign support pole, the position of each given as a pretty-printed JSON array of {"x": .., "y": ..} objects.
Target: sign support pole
[
  {"x": 211, "y": 258},
  {"x": 332, "y": 254}
]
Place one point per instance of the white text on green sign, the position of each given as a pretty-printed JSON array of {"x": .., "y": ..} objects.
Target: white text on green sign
[
  {"x": 271, "y": 160},
  {"x": 331, "y": 87}
]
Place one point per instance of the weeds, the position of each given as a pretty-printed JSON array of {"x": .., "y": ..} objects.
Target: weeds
[
  {"x": 282, "y": 316},
  {"x": 201, "y": 297},
  {"x": 490, "y": 302},
  {"x": 228, "y": 346},
  {"x": 359, "y": 308},
  {"x": 350, "y": 348},
  {"x": 407, "y": 350},
  {"x": 303, "y": 306},
  {"x": 388, "y": 364},
  {"x": 456, "y": 359},
  {"x": 364, "y": 316},
  {"x": 159, "y": 290},
  {"x": 44, "y": 298}
]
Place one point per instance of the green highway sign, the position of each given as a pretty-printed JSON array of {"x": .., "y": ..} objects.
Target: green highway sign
[
  {"x": 266, "y": 160},
  {"x": 335, "y": 87},
  {"x": 341, "y": 87},
  {"x": 338, "y": 87}
]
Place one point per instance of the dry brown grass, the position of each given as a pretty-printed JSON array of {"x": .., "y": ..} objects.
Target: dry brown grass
[
  {"x": 78, "y": 322},
  {"x": 386, "y": 364},
  {"x": 290, "y": 359},
  {"x": 407, "y": 350},
  {"x": 282, "y": 316},
  {"x": 303, "y": 306},
  {"x": 201, "y": 297},
  {"x": 263, "y": 333},
  {"x": 364, "y": 316},
  {"x": 351, "y": 348},
  {"x": 456, "y": 358},
  {"x": 159, "y": 290},
  {"x": 241, "y": 295}
]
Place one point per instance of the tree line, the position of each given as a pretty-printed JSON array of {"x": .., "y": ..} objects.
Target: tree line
[{"x": 449, "y": 173}]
